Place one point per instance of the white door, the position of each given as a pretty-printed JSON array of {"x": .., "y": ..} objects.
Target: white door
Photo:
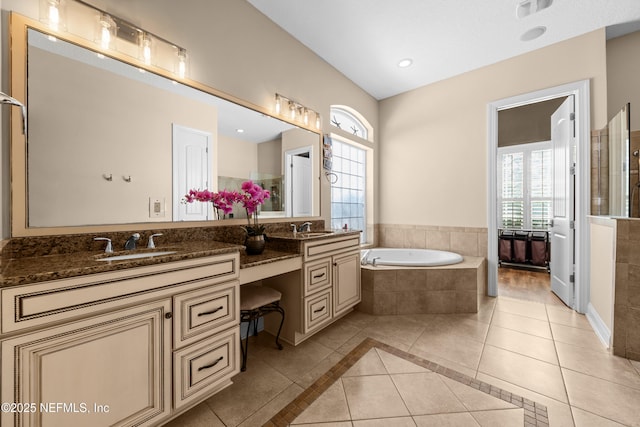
[
  {"x": 301, "y": 185},
  {"x": 298, "y": 201},
  {"x": 191, "y": 169},
  {"x": 562, "y": 228}
]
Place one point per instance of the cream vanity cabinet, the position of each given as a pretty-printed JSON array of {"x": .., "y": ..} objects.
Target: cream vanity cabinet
[
  {"x": 330, "y": 287},
  {"x": 130, "y": 347}
]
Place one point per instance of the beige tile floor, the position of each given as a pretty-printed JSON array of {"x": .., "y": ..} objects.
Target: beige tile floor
[{"x": 543, "y": 352}]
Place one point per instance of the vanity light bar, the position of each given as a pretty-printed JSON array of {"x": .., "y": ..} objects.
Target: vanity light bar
[
  {"x": 295, "y": 111},
  {"x": 109, "y": 27}
]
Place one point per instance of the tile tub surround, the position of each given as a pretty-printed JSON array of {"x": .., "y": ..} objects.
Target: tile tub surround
[
  {"x": 626, "y": 314},
  {"x": 423, "y": 290},
  {"x": 466, "y": 241}
]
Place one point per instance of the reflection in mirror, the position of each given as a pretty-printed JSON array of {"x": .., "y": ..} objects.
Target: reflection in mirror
[
  {"x": 614, "y": 170},
  {"x": 111, "y": 144},
  {"x": 619, "y": 178}
]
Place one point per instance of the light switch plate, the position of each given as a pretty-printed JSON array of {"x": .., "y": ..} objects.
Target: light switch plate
[{"x": 156, "y": 207}]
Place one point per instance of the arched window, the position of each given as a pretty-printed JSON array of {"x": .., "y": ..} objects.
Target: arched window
[
  {"x": 350, "y": 121},
  {"x": 351, "y": 168}
]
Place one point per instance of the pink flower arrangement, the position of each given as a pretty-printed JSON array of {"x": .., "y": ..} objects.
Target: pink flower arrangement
[
  {"x": 251, "y": 197},
  {"x": 222, "y": 200}
]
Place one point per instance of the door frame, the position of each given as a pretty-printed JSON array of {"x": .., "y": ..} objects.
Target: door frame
[{"x": 580, "y": 91}]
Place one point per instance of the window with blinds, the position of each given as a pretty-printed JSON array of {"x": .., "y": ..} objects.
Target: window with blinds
[{"x": 526, "y": 186}]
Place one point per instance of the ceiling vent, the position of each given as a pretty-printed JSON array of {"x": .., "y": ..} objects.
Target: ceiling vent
[{"x": 529, "y": 7}]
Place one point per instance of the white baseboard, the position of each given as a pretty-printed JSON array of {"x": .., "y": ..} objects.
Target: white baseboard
[{"x": 599, "y": 327}]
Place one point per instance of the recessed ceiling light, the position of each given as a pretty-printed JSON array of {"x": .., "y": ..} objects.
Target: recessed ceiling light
[
  {"x": 533, "y": 33},
  {"x": 240, "y": 130},
  {"x": 405, "y": 63}
]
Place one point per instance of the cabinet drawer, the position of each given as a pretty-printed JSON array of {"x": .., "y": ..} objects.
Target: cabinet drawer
[
  {"x": 317, "y": 310},
  {"x": 322, "y": 248},
  {"x": 205, "y": 311},
  {"x": 61, "y": 300},
  {"x": 317, "y": 276},
  {"x": 205, "y": 367}
]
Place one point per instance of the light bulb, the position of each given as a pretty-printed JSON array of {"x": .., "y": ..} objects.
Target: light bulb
[
  {"x": 305, "y": 116},
  {"x": 317, "y": 121},
  {"x": 182, "y": 63},
  {"x": 54, "y": 16},
  {"x": 145, "y": 48},
  {"x": 292, "y": 110},
  {"x": 106, "y": 33},
  {"x": 278, "y": 104}
]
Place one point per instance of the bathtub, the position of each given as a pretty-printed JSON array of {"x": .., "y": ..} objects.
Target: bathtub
[
  {"x": 420, "y": 281},
  {"x": 408, "y": 257}
]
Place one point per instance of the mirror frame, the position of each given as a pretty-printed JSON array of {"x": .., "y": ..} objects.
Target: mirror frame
[{"x": 19, "y": 26}]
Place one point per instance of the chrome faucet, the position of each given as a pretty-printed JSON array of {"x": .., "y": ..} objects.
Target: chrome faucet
[
  {"x": 109, "y": 248},
  {"x": 131, "y": 241},
  {"x": 295, "y": 230},
  {"x": 151, "y": 244},
  {"x": 305, "y": 227}
]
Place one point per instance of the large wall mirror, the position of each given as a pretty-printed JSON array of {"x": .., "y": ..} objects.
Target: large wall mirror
[{"x": 110, "y": 143}]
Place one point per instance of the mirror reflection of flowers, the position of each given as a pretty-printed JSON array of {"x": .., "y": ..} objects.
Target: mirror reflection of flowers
[
  {"x": 222, "y": 201},
  {"x": 251, "y": 197}
]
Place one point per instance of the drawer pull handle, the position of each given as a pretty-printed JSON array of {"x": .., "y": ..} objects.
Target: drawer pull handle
[
  {"x": 215, "y": 310},
  {"x": 211, "y": 365},
  {"x": 317, "y": 276},
  {"x": 321, "y": 309}
]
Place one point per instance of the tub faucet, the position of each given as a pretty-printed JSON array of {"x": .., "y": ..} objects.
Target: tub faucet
[
  {"x": 305, "y": 227},
  {"x": 374, "y": 260},
  {"x": 131, "y": 242},
  {"x": 109, "y": 248},
  {"x": 151, "y": 244}
]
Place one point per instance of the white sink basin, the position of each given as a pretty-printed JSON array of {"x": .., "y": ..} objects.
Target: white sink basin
[{"x": 136, "y": 256}]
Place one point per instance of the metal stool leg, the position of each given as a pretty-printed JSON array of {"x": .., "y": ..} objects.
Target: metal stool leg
[
  {"x": 245, "y": 348},
  {"x": 281, "y": 311}
]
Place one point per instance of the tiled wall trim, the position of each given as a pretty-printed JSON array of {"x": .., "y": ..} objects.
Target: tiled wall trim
[
  {"x": 626, "y": 314},
  {"x": 469, "y": 241}
]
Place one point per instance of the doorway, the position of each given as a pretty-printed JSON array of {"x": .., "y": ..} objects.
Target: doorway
[
  {"x": 580, "y": 152},
  {"x": 298, "y": 201}
]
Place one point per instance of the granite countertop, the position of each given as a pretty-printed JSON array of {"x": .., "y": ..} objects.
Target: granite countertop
[
  {"x": 313, "y": 235},
  {"x": 37, "y": 260},
  {"x": 20, "y": 271}
]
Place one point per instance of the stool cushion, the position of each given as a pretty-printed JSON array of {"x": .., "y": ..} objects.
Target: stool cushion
[{"x": 254, "y": 296}]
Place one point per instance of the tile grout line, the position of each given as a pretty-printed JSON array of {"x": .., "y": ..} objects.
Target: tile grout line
[
  {"x": 564, "y": 382},
  {"x": 535, "y": 414}
]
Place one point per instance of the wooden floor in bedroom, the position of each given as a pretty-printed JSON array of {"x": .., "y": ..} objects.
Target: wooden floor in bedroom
[{"x": 527, "y": 285}]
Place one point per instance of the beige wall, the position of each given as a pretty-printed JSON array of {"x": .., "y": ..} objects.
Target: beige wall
[
  {"x": 240, "y": 157},
  {"x": 623, "y": 80},
  {"x": 66, "y": 191},
  {"x": 433, "y": 140},
  {"x": 236, "y": 49}
]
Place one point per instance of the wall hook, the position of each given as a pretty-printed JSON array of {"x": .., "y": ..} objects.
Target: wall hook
[
  {"x": 108, "y": 177},
  {"x": 127, "y": 178},
  {"x": 331, "y": 177}
]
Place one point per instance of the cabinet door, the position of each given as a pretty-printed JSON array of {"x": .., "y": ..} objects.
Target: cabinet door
[
  {"x": 346, "y": 282},
  {"x": 108, "y": 370}
]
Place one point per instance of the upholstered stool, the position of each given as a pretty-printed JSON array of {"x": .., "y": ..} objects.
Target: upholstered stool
[{"x": 255, "y": 302}]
